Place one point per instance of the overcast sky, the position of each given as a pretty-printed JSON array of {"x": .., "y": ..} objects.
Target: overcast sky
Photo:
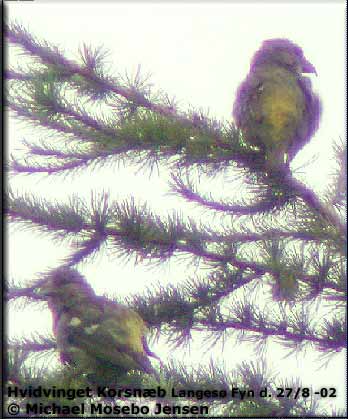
[{"x": 198, "y": 53}]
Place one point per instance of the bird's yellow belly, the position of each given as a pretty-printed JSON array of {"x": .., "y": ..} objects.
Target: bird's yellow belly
[{"x": 281, "y": 115}]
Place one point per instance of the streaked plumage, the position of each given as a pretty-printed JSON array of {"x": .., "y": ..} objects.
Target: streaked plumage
[{"x": 101, "y": 338}]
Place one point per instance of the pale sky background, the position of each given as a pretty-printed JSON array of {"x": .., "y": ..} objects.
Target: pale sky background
[{"x": 199, "y": 53}]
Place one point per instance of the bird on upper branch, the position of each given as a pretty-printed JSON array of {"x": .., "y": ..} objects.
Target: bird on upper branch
[
  {"x": 275, "y": 107},
  {"x": 102, "y": 339}
]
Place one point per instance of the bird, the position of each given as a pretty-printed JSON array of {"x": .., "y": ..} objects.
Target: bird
[
  {"x": 275, "y": 108},
  {"x": 102, "y": 339}
]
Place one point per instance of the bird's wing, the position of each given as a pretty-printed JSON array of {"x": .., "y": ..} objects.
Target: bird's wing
[
  {"x": 247, "y": 95},
  {"x": 310, "y": 121},
  {"x": 106, "y": 332}
]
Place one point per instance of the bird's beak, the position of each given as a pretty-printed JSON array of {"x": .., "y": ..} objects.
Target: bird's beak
[{"x": 307, "y": 67}]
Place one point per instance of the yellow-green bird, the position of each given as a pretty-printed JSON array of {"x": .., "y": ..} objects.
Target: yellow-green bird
[
  {"x": 102, "y": 339},
  {"x": 275, "y": 107}
]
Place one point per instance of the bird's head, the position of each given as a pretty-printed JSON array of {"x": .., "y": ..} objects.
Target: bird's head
[
  {"x": 63, "y": 281},
  {"x": 284, "y": 53}
]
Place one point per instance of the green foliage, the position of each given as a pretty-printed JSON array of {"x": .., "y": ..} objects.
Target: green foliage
[{"x": 276, "y": 237}]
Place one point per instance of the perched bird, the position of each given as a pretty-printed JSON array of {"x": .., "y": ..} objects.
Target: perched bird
[
  {"x": 102, "y": 339},
  {"x": 275, "y": 107}
]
